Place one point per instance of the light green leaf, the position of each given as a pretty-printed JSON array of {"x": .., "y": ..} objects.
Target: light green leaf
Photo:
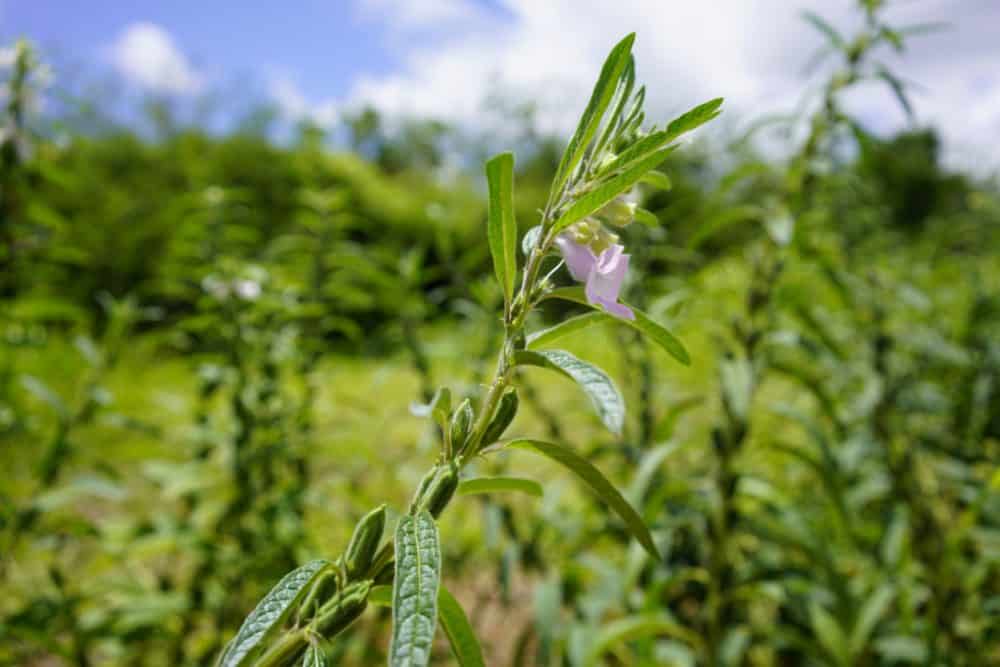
[
  {"x": 642, "y": 323},
  {"x": 502, "y": 229},
  {"x": 611, "y": 188},
  {"x": 829, "y": 633},
  {"x": 565, "y": 328},
  {"x": 694, "y": 118},
  {"x": 270, "y": 614},
  {"x": 622, "y": 96},
  {"x": 657, "y": 179},
  {"x": 601, "y": 390},
  {"x": 648, "y": 144},
  {"x": 604, "y": 89},
  {"x": 648, "y": 218},
  {"x": 477, "y": 485},
  {"x": 872, "y": 611},
  {"x": 593, "y": 478},
  {"x": 415, "y": 591},
  {"x": 456, "y": 626}
]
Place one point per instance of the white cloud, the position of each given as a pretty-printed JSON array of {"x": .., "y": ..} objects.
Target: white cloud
[
  {"x": 750, "y": 51},
  {"x": 146, "y": 54},
  {"x": 293, "y": 103}
]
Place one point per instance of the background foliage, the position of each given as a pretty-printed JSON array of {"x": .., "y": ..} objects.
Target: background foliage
[{"x": 208, "y": 344}]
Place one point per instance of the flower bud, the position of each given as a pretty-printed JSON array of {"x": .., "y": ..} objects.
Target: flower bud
[{"x": 619, "y": 212}]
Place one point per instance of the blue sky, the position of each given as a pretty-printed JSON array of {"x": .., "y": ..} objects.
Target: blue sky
[{"x": 443, "y": 58}]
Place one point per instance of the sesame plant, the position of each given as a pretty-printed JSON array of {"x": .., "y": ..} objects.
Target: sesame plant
[{"x": 609, "y": 153}]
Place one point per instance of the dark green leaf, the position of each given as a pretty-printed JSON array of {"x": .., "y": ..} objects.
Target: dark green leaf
[
  {"x": 593, "y": 478},
  {"x": 502, "y": 229},
  {"x": 270, "y": 614},
  {"x": 603, "y": 393},
  {"x": 415, "y": 591},
  {"x": 456, "y": 626}
]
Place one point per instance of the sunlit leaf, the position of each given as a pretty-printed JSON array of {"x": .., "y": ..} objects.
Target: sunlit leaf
[
  {"x": 601, "y": 390},
  {"x": 462, "y": 637},
  {"x": 502, "y": 229},
  {"x": 415, "y": 591}
]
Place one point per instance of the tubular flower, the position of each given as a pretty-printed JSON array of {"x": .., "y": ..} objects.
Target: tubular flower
[{"x": 601, "y": 274}]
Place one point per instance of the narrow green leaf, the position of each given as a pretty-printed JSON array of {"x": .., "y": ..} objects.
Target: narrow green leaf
[
  {"x": 604, "y": 89},
  {"x": 602, "y": 194},
  {"x": 565, "y": 328},
  {"x": 477, "y": 485},
  {"x": 642, "y": 323},
  {"x": 872, "y": 611},
  {"x": 652, "y": 142},
  {"x": 828, "y": 30},
  {"x": 593, "y": 478},
  {"x": 694, "y": 118},
  {"x": 415, "y": 591},
  {"x": 622, "y": 95},
  {"x": 456, "y": 626},
  {"x": 501, "y": 227},
  {"x": 270, "y": 614},
  {"x": 829, "y": 633},
  {"x": 601, "y": 390}
]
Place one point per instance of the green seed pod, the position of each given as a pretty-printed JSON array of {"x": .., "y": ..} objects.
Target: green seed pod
[
  {"x": 361, "y": 549},
  {"x": 422, "y": 489},
  {"x": 502, "y": 418},
  {"x": 343, "y": 610},
  {"x": 461, "y": 420},
  {"x": 440, "y": 494}
]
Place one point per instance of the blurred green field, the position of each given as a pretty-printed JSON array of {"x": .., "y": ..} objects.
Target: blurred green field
[{"x": 213, "y": 347}]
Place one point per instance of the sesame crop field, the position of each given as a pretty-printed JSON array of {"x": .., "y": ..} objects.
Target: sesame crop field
[{"x": 686, "y": 383}]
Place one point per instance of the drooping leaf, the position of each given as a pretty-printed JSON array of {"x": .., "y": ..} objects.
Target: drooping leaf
[
  {"x": 601, "y": 390},
  {"x": 477, "y": 485},
  {"x": 415, "y": 591},
  {"x": 642, "y": 323},
  {"x": 694, "y": 118},
  {"x": 270, "y": 614},
  {"x": 462, "y": 637},
  {"x": 501, "y": 227},
  {"x": 604, "y": 89},
  {"x": 611, "y": 188},
  {"x": 597, "y": 482}
]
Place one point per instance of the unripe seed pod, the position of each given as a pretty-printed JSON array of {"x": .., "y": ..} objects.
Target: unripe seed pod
[
  {"x": 461, "y": 420},
  {"x": 351, "y": 603},
  {"x": 422, "y": 489},
  {"x": 440, "y": 494},
  {"x": 361, "y": 549},
  {"x": 506, "y": 411}
]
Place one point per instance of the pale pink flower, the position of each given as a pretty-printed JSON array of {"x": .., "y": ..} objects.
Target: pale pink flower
[{"x": 601, "y": 274}]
